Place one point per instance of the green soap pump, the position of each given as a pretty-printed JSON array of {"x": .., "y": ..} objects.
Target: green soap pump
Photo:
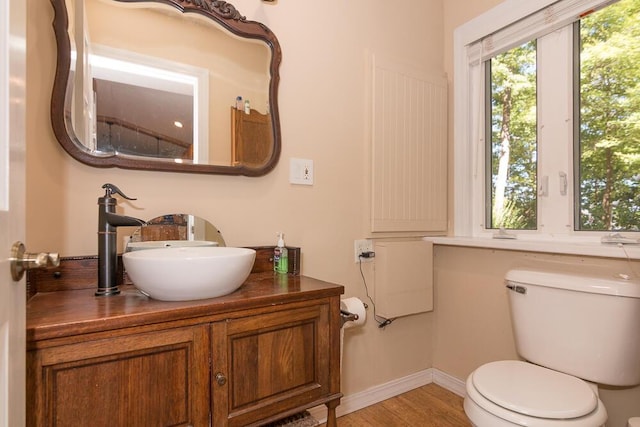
[{"x": 281, "y": 256}]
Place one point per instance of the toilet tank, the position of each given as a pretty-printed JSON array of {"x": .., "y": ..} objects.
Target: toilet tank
[{"x": 586, "y": 324}]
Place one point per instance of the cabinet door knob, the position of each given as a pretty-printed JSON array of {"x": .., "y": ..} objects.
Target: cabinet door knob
[{"x": 221, "y": 379}]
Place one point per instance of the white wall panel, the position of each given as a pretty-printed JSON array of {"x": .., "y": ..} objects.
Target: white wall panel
[
  {"x": 409, "y": 182},
  {"x": 403, "y": 280}
]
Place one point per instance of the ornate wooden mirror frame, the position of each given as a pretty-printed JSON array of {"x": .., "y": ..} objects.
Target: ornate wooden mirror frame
[{"x": 220, "y": 12}]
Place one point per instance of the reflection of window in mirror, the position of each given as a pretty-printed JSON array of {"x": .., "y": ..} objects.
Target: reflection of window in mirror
[{"x": 129, "y": 87}]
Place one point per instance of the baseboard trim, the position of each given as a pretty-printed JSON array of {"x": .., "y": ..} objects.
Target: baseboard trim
[
  {"x": 373, "y": 395},
  {"x": 449, "y": 382}
]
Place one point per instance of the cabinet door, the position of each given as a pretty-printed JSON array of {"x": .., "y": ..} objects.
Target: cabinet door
[
  {"x": 251, "y": 138},
  {"x": 149, "y": 379},
  {"x": 270, "y": 364}
]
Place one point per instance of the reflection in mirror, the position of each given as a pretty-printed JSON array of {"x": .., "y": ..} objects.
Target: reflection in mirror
[
  {"x": 175, "y": 230},
  {"x": 166, "y": 85}
]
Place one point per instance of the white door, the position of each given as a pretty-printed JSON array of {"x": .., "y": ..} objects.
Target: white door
[{"x": 12, "y": 210}]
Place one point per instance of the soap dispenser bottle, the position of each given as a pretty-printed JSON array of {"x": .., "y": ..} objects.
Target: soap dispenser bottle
[{"x": 281, "y": 256}]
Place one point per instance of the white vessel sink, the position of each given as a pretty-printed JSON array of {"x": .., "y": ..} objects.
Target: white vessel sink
[
  {"x": 189, "y": 273},
  {"x": 157, "y": 244}
]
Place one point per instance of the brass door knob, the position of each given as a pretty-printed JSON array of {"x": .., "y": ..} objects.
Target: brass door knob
[
  {"x": 221, "y": 379},
  {"x": 22, "y": 261}
]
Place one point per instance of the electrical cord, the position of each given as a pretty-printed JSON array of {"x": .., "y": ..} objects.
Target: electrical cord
[{"x": 381, "y": 321}]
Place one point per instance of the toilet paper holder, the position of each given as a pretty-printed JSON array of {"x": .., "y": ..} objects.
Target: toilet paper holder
[{"x": 347, "y": 316}]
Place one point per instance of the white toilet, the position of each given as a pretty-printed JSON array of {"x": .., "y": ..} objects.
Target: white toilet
[{"x": 571, "y": 328}]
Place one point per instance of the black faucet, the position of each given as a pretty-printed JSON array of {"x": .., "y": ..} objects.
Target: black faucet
[{"x": 108, "y": 221}]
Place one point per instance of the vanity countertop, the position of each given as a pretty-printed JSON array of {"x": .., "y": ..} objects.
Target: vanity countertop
[{"x": 64, "y": 314}]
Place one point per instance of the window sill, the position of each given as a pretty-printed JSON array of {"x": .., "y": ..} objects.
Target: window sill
[{"x": 589, "y": 248}]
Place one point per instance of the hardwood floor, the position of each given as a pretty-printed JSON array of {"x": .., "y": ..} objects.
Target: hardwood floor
[{"x": 427, "y": 406}]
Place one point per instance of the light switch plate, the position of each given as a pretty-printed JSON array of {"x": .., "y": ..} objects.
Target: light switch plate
[{"x": 301, "y": 171}]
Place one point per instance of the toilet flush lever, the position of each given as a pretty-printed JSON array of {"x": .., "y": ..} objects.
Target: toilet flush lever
[
  {"x": 517, "y": 288},
  {"x": 22, "y": 261}
]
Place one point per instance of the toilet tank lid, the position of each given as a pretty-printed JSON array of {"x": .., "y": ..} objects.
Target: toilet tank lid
[{"x": 590, "y": 280}]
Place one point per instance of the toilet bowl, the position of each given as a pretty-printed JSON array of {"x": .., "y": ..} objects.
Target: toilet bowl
[{"x": 511, "y": 393}]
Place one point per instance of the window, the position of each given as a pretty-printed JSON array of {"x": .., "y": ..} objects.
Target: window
[
  {"x": 607, "y": 122},
  {"x": 548, "y": 132},
  {"x": 510, "y": 128}
]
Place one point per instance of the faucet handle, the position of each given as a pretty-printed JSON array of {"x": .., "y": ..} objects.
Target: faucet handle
[{"x": 110, "y": 189}]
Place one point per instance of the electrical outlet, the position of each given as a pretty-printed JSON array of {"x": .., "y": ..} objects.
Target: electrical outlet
[{"x": 361, "y": 246}]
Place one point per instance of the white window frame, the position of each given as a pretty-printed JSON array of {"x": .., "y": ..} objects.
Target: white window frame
[
  {"x": 507, "y": 25},
  {"x": 554, "y": 142}
]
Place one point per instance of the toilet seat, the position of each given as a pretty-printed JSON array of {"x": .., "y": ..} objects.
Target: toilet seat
[
  {"x": 520, "y": 393},
  {"x": 516, "y": 386}
]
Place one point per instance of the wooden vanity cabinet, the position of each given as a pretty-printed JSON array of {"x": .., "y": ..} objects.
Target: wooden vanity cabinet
[
  {"x": 160, "y": 377},
  {"x": 186, "y": 365},
  {"x": 272, "y": 364}
]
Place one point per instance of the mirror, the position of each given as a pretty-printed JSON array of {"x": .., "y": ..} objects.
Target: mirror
[
  {"x": 175, "y": 230},
  {"x": 168, "y": 85}
]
